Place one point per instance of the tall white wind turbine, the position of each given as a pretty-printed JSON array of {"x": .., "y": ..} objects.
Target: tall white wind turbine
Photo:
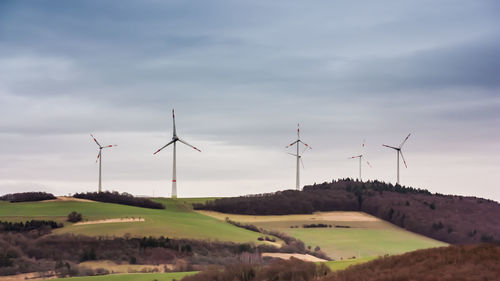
[
  {"x": 298, "y": 156},
  {"x": 360, "y": 157},
  {"x": 399, "y": 152},
  {"x": 99, "y": 158},
  {"x": 174, "y": 141}
]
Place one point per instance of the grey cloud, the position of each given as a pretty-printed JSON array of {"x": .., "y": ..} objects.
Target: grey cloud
[{"x": 243, "y": 74}]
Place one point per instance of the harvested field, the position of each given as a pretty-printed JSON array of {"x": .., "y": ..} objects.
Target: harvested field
[
  {"x": 113, "y": 267},
  {"x": 297, "y": 256},
  {"x": 67, "y": 198},
  {"x": 27, "y": 276}
]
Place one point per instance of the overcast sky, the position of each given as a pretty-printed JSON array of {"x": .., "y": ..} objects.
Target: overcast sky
[{"x": 241, "y": 75}]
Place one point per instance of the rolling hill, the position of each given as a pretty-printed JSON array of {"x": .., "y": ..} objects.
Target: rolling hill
[
  {"x": 176, "y": 221},
  {"x": 348, "y": 237},
  {"x": 448, "y": 218}
]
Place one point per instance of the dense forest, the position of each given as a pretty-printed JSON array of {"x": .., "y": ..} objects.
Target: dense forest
[
  {"x": 472, "y": 262},
  {"x": 449, "y": 218},
  {"x": 27, "y": 197},
  {"x": 120, "y": 198}
]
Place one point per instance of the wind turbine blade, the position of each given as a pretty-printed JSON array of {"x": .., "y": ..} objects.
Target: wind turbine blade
[
  {"x": 305, "y": 144},
  {"x": 404, "y": 161},
  {"x": 292, "y": 154},
  {"x": 189, "y": 145},
  {"x": 98, "y": 155},
  {"x": 363, "y": 145},
  {"x": 291, "y": 144},
  {"x": 369, "y": 164},
  {"x": 111, "y": 145},
  {"x": 305, "y": 149},
  {"x": 301, "y": 162},
  {"x": 405, "y": 140},
  {"x": 173, "y": 119},
  {"x": 164, "y": 147},
  {"x": 95, "y": 140},
  {"x": 354, "y": 157},
  {"x": 390, "y": 146}
]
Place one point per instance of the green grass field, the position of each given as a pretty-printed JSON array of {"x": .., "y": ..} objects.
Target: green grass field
[
  {"x": 343, "y": 264},
  {"x": 133, "y": 277},
  {"x": 367, "y": 236},
  {"x": 176, "y": 221}
]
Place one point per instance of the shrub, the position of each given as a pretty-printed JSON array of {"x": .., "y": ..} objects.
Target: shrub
[
  {"x": 313, "y": 225},
  {"x": 74, "y": 217}
]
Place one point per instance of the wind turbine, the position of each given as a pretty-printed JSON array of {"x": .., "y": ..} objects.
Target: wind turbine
[
  {"x": 361, "y": 160},
  {"x": 99, "y": 158},
  {"x": 399, "y": 152},
  {"x": 174, "y": 141},
  {"x": 298, "y": 156}
]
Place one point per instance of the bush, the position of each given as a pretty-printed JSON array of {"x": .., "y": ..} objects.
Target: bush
[
  {"x": 315, "y": 225},
  {"x": 74, "y": 217}
]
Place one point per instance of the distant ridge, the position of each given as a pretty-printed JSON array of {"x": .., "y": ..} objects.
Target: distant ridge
[{"x": 449, "y": 218}]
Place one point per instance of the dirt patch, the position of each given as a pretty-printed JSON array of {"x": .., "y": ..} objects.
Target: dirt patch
[
  {"x": 297, "y": 256},
  {"x": 111, "y": 221},
  {"x": 68, "y": 198},
  {"x": 28, "y": 276},
  {"x": 113, "y": 267},
  {"x": 345, "y": 216}
]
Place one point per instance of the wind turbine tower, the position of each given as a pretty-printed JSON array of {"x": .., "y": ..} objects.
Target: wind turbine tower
[
  {"x": 298, "y": 156},
  {"x": 360, "y": 157},
  {"x": 99, "y": 158},
  {"x": 399, "y": 152},
  {"x": 174, "y": 140}
]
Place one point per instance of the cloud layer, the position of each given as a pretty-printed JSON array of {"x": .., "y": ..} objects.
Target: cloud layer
[{"x": 241, "y": 75}]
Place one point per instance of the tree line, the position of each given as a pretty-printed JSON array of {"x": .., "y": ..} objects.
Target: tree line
[
  {"x": 27, "y": 197},
  {"x": 6, "y": 226},
  {"x": 120, "y": 198}
]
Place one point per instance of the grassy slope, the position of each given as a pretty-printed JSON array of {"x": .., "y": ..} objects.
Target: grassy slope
[
  {"x": 133, "y": 277},
  {"x": 343, "y": 264},
  {"x": 177, "y": 221},
  {"x": 369, "y": 238}
]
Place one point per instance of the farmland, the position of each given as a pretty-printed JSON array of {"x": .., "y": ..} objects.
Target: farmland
[
  {"x": 363, "y": 235},
  {"x": 360, "y": 235},
  {"x": 176, "y": 221}
]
